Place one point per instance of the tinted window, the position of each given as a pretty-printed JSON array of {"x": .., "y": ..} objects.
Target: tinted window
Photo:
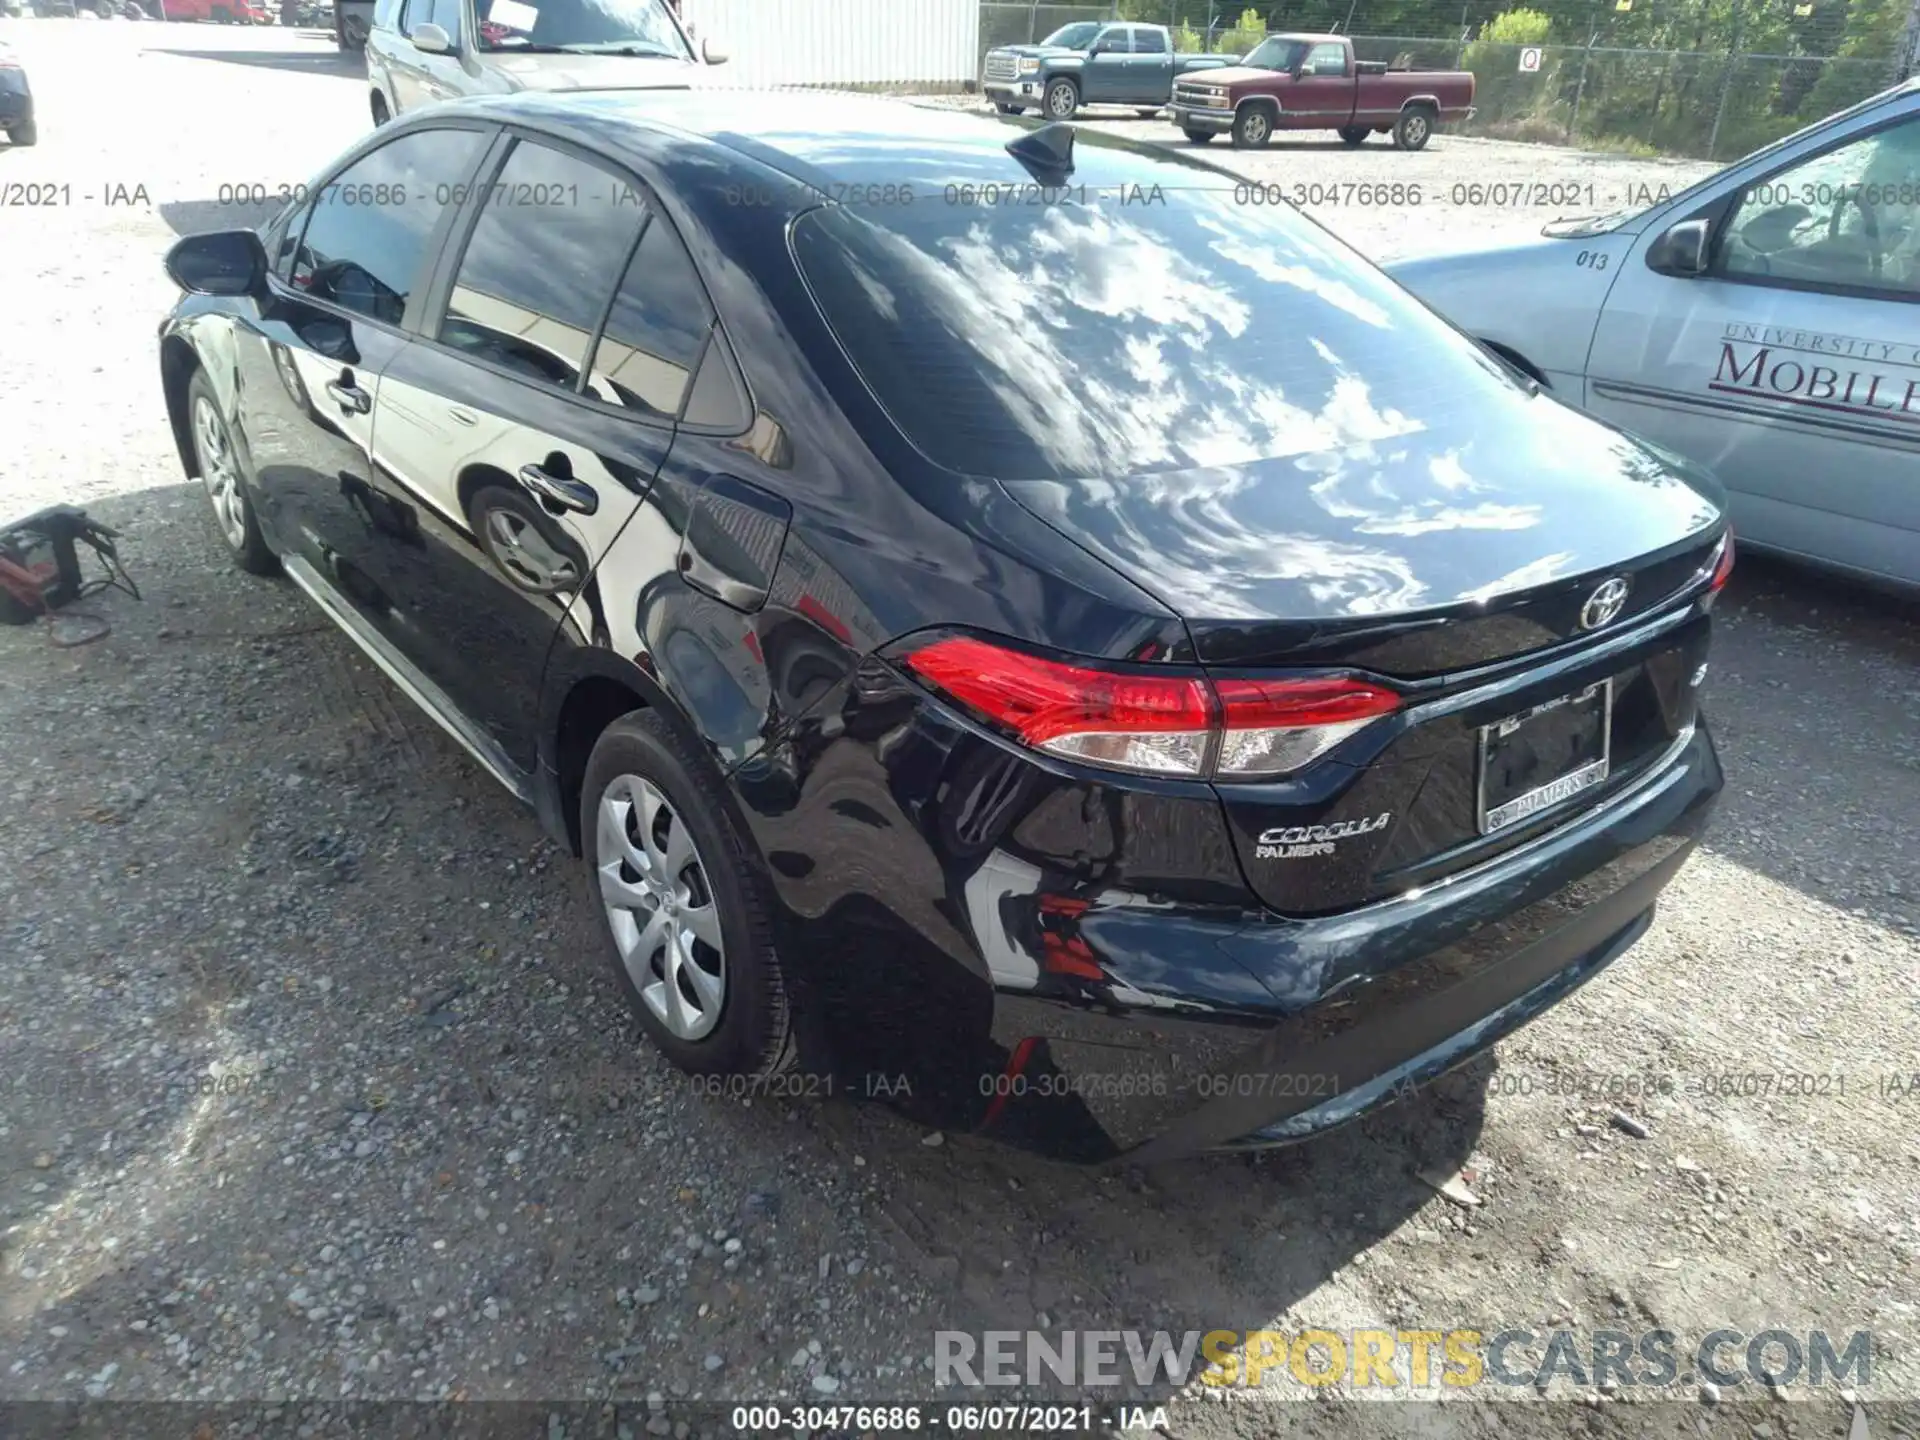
[
  {"x": 654, "y": 335},
  {"x": 367, "y": 229},
  {"x": 1149, "y": 42},
  {"x": 579, "y": 26},
  {"x": 541, "y": 265},
  {"x": 1326, "y": 60},
  {"x": 1849, "y": 218},
  {"x": 1109, "y": 339},
  {"x": 1112, "y": 41}
]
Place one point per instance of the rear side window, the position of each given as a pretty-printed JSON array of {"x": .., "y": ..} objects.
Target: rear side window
[
  {"x": 1149, "y": 42},
  {"x": 367, "y": 230},
  {"x": 1108, "y": 338},
  {"x": 549, "y": 243},
  {"x": 656, "y": 331}
]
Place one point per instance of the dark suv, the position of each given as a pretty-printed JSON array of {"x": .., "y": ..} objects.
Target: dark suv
[{"x": 1119, "y": 667}]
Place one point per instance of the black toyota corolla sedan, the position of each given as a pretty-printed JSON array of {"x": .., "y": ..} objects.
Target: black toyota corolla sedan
[{"x": 1002, "y": 622}]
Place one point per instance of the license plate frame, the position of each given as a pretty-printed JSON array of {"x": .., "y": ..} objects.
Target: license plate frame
[{"x": 1581, "y": 777}]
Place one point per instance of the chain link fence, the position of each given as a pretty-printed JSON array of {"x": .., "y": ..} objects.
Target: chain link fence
[{"x": 1748, "y": 72}]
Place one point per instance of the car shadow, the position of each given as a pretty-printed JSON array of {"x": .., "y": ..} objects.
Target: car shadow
[{"x": 317, "y": 62}]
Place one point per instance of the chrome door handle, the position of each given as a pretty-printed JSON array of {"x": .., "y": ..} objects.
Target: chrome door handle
[
  {"x": 349, "y": 396},
  {"x": 564, "y": 491}
]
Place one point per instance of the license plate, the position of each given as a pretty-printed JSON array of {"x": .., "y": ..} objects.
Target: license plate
[{"x": 1535, "y": 760}]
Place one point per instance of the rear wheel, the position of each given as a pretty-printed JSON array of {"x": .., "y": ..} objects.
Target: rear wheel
[
  {"x": 1414, "y": 128},
  {"x": 1147, "y": 113},
  {"x": 25, "y": 134},
  {"x": 1252, "y": 128},
  {"x": 1355, "y": 134},
  {"x": 1006, "y": 109},
  {"x": 1199, "y": 137},
  {"x": 1062, "y": 99},
  {"x": 685, "y": 902}
]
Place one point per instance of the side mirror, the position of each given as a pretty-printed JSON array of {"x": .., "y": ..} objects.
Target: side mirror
[
  {"x": 714, "y": 54},
  {"x": 431, "y": 38},
  {"x": 1683, "y": 250},
  {"x": 224, "y": 262}
]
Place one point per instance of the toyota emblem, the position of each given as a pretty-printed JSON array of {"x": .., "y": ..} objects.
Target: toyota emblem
[{"x": 1604, "y": 605}]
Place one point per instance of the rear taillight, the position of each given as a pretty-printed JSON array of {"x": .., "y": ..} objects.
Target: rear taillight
[
  {"x": 1722, "y": 564},
  {"x": 1174, "y": 723}
]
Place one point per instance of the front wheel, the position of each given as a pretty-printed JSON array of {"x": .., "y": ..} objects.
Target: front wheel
[
  {"x": 381, "y": 115},
  {"x": 1006, "y": 109},
  {"x": 685, "y": 901},
  {"x": 1199, "y": 137},
  {"x": 1355, "y": 134},
  {"x": 25, "y": 134},
  {"x": 1252, "y": 128},
  {"x": 1413, "y": 129},
  {"x": 219, "y": 464},
  {"x": 1062, "y": 100},
  {"x": 1148, "y": 114}
]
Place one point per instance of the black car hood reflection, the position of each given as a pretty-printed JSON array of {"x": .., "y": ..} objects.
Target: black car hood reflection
[{"x": 1458, "y": 510}]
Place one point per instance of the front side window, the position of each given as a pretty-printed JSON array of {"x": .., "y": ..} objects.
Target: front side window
[
  {"x": 447, "y": 15},
  {"x": 1849, "y": 218},
  {"x": 366, "y": 235},
  {"x": 1112, "y": 41},
  {"x": 655, "y": 331},
  {"x": 583, "y": 27},
  {"x": 541, "y": 265}
]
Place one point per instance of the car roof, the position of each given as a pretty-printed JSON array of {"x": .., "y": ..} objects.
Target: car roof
[{"x": 830, "y": 140}]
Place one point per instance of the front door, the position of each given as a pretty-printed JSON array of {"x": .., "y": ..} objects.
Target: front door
[
  {"x": 348, "y": 268},
  {"x": 1792, "y": 367},
  {"x": 1104, "y": 77},
  {"x": 1321, "y": 96}
]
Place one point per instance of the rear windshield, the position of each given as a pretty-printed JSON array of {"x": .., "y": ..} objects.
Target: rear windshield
[{"x": 1124, "y": 335}]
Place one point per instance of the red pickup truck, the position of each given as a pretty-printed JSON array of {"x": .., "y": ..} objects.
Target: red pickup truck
[{"x": 1312, "y": 82}]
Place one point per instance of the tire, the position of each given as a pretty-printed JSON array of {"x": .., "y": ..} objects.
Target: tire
[
  {"x": 1252, "y": 128},
  {"x": 1199, "y": 137},
  {"x": 381, "y": 115},
  {"x": 24, "y": 135},
  {"x": 1414, "y": 128},
  {"x": 1148, "y": 114},
  {"x": 1061, "y": 101},
  {"x": 222, "y": 15},
  {"x": 232, "y": 507},
  {"x": 352, "y": 34},
  {"x": 1355, "y": 134},
  {"x": 1006, "y": 109},
  {"x": 749, "y": 1030}
]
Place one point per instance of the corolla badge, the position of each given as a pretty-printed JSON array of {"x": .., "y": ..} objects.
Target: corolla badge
[
  {"x": 1604, "y": 605},
  {"x": 1298, "y": 842}
]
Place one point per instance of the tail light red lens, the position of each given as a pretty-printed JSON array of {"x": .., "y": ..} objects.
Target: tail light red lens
[
  {"x": 1722, "y": 564},
  {"x": 1176, "y": 724}
]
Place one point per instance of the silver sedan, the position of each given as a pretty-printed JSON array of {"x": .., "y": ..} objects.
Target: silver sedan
[{"x": 1764, "y": 322}]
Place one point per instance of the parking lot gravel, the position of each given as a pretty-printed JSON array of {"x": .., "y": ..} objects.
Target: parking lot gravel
[{"x": 312, "y": 1085}]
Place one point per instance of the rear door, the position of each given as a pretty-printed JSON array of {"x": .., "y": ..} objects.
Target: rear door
[
  {"x": 1103, "y": 79},
  {"x": 520, "y": 431},
  {"x": 1322, "y": 97},
  {"x": 1150, "y": 72},
  {"x": 1792, "y": 367}
]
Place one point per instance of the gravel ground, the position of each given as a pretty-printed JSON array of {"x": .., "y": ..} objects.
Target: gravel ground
[{"x": 317, "y": 1090}]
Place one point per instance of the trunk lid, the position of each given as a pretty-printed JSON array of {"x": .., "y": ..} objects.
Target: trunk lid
[{"x": 1462, "y": 562}]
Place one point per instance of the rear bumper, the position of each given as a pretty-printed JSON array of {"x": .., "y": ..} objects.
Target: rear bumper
[
  {"x": 1195, "y": 117},
  {"x": 1377, "y": 1000}
]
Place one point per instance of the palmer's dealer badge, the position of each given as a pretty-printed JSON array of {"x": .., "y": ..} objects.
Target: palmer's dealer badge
[
  {"x": 1815, "y": 372},
  {"x": 1298, "y": 842}
]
